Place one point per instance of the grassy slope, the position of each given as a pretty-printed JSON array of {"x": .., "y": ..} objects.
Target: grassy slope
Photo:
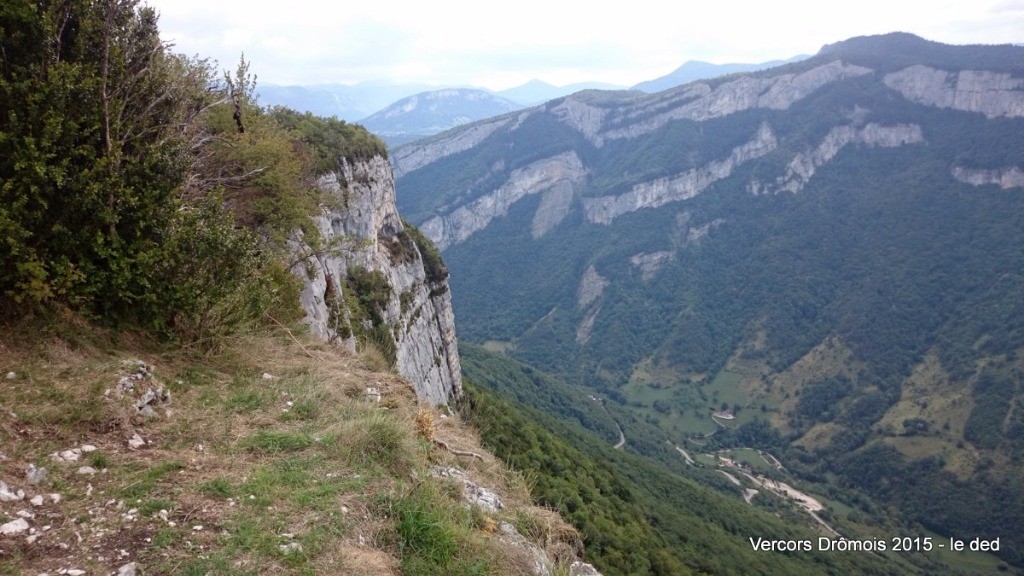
[{"x": 297, "y": 472}]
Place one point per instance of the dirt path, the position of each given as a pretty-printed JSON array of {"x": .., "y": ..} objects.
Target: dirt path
[
  {"x": 685, "y": 455},
  {"x": 622, "y": 438},
  {"x": 805, "y": 501}
]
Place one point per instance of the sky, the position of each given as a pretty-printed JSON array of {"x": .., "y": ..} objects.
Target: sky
[{"x": 502, "y": 45}]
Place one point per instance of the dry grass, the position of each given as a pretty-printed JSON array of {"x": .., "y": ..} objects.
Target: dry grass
[{"x": 272, "y": 447}]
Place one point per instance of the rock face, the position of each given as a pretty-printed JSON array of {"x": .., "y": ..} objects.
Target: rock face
[
  {"x": 1005, "y": 178},
  {"x": 990, "y": 93},
  {"x": 559, "y": 175},
  {"x": 363, "y": 232},
  {"x": 410, "y": 158},
  {"x": 680, "y": 187},
  {"x": 802, "y": 167}
]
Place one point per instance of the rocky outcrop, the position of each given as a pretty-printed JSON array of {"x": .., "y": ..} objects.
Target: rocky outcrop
[
  {"x": 409, "y": 158},
  {"x": 560, "y": 174},
  {"x": 803, "y": 166},
  {"x": 993, "y": 94},
  {"x": 650, "y": 263},
  {"x": 681, "y": 187},
  {"x": 1005, "y": 178},
  {"x": 592, "y": 285},
  {"x": 588, "y": 298},
  {"x": 702, "y": 102},
  {"x": 364, "y": 232}
]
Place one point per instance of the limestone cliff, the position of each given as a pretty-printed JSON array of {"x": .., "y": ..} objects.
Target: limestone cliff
[
  {"x": 568, "y": 151},
  {"x": 364, "y": 234}
]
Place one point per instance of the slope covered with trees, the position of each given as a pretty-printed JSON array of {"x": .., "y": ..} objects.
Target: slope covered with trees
[{"x": 842, "y": 264}]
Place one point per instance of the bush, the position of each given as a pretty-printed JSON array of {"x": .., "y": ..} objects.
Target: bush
[{"x": 212, "y": 277}]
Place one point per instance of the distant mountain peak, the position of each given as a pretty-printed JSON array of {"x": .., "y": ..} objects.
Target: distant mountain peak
[{"x": 435, "y": 111}]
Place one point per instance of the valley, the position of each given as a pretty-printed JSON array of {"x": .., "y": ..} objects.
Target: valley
[{"x": 819, "y": 261}]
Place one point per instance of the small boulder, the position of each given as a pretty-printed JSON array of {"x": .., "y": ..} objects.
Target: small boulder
[{"x": 14, "y": 527}]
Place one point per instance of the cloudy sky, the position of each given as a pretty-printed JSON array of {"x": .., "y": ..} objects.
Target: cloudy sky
[{"x": 501, "y": 45}]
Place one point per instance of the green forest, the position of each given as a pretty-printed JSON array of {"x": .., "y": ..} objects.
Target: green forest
[{"x": 896, "y": 283}]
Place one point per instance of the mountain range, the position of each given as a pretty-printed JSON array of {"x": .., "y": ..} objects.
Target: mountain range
[
  {"x": 821, "y": 261},
  {"x": 400, "y": 113}
]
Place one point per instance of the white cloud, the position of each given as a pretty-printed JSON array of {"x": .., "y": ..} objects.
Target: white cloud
[{"x": 463, "y": 42}]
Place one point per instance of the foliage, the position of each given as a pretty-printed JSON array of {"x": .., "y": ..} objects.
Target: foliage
[
  {"x": 883, "y": 249},
  {"x": 212, "y": 277},
  {"x": 436, "y": 271},
  {"x": 136, "y": 187},
  {"x": 636, "y": 517},
  {"x": 91, "y": 106},
  {"x": 329, "y": 139}
]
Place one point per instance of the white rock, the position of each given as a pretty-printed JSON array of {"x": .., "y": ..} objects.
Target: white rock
[
  {"x": 290, "y": 548},
  {"x": 88, "y": 448},
  {"x": 31, "y": 539},
  {"x": 7, "y": 494},
  {"x": 136, "y": 441},
  {"x": 75, "y": 572},
  {"x": 55, "y": 498},
  {"x": 11, "y": 375},
  {"x": 14, "y": 527},
  {"x": 37, "y": 501},
  {"x": 25, "y": 514},
  {"x": 128, "y": 569},
  {"x": 579, "y": 568},
  {"x": 198, "y": 528},
  {"x": 87, "y": 470},
  {"x": 267, "y": 376},
  {"x": 34, "y": 475}
]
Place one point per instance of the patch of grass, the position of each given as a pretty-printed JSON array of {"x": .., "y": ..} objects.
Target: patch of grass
[
  {"x": 276, "y": 442},
  {"x": 150, "y": 507},
  {"x": 377, "y": 438},
  {"x": 99, "y": 461},
  {"x": 246, "y": 401},
  {"x": 145, "y": 482},
  {"x": 435, "y": 535},
  {"x": 217, "y": 488}
]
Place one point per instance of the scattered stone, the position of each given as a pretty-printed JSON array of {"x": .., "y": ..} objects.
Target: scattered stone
[
  {"x": 290, "y": 548},
  {"x": 7, "y": 494},
  {"x": 88, "y": 448},
  {"x": 540, "y": 563},
  {"x": 14, "y": 527},
  {"x": 578, "y": 568},
  {"x": 87, "y": 470},
  {"x": 198, "y": 528},
  {"x": 55, "y": 498},
  {"x": 373, "y": 394},
  {"x": 152, "y": 397},
  {"x": 31, "y": 539},
  {"x": 72, "y": 572},
  {"x": 37, "y": 500},
  {"x": 136, "y": 441},
  {"x": 129, "y": 569},
  {"x": 268, "y": 376},
  {"x": 11, "y": 375},
  {"x": 67, "y": 456},
  {"x": 472, "y": 493},
  {"x": 34, "y": 475}
]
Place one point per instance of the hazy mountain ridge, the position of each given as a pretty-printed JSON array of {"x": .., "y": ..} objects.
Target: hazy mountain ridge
[
  {"x": 694, "y": 70},
  {"x": 867, "y": 197},
  {"x": 428, "y": 113}
]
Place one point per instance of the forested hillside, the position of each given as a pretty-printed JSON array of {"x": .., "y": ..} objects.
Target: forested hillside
[{"x": 828, "y": 253}]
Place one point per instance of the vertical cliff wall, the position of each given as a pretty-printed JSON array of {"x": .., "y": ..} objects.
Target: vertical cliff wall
[{"x": 362, "y": 236}]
